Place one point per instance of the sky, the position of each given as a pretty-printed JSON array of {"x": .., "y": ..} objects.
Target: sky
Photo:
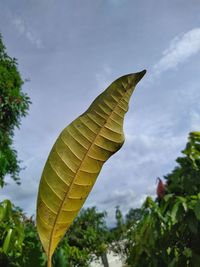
[{"x": 70, "y": 51}]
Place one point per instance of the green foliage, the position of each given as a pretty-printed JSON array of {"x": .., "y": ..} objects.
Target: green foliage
[
  {"x": 132, "y": 217},
  {"x": 19, "y": 243},
  {"x": 121, "y": 232},
  {"x": 184, "y": 179},
  {"x": 117, "y": 234},
  {"x": 68, "y": 255},
  {"x": 14, "y": 104},
  {"x": 87, "y": 238},
  {"x": 168, "y": 233},
  {"x": 20, "y": 246},
  {"x": 32, "y": 253},
  {"x": 11, "y": 232}
]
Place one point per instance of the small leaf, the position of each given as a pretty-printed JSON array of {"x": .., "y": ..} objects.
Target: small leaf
[
  {"x": 187, "y": 252},
  {"x": 184, "y": 204},
  {"x": 7, "y": 209},
  {"x": 174, "y": 212},
  {"x": 169, "y": 250},
  {"x": 168, "y": 196},
  {"x": 60, "y": 259},
  {"x": 6, "y": 243}
]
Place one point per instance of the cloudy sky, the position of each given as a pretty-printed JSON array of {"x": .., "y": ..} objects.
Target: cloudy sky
[{"x": 71, "y": 51}]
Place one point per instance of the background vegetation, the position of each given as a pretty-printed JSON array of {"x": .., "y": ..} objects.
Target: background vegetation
[
  {"x": 14, "y": 104},
  {"x": 163, "y": 232}
]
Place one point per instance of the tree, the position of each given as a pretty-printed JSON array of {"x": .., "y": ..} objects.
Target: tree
[
  {"x": 119, "y": 234},
  {"x": 168, "y": 233},
  {"x": 184, "y": 179},
  {"x": 89, "y": 232},
  {"x": 14, "y": 104},
  {"x": 85, "y": 241},
  {"x": 132, "y": 217}
]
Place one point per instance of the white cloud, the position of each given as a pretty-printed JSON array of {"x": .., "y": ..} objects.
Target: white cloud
[
  {"x": 180, "y": 49},
  {"x": 119, "y": 196},
  {"x": 23, "y": 29}
]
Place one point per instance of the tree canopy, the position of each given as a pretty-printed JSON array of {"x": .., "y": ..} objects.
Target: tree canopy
[{"x": 14, "y": 105}]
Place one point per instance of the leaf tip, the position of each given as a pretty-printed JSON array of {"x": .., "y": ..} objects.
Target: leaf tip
[
  {"x": 139, "y": 75},
  {"x": 134, "y": 78}
]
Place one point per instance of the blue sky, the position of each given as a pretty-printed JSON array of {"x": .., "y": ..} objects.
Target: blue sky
[{"x": 71, "y": 51}]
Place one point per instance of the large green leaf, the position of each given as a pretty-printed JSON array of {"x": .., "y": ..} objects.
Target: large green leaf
[{"x": 77, "y": 158}]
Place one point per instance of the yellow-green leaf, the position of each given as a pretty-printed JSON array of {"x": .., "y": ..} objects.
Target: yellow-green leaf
[{"x": 77, "y": 158}]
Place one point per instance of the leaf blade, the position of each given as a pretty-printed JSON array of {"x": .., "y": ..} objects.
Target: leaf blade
[{"x": 77, "y": 158}]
